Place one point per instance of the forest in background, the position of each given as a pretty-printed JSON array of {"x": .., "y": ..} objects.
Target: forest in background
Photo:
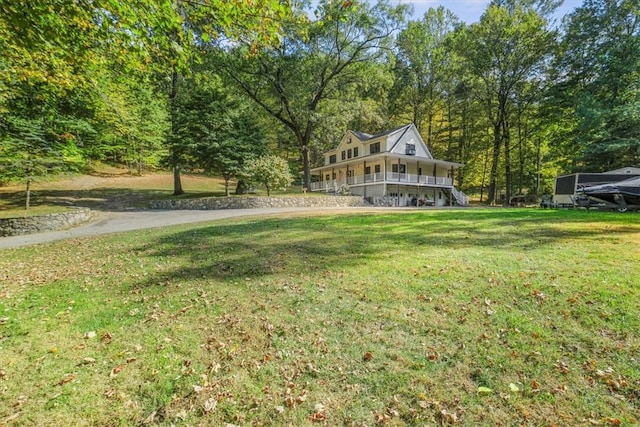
[{"x": 205, "y": 85}]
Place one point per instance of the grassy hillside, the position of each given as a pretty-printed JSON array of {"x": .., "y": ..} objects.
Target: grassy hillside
[
  {"x": 466, "y": 317},
  {"x": 111, "y": 188},
  {"x": 107, "y": 188}
]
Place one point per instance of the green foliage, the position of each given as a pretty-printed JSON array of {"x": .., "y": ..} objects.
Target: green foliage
[
  {"x": 270, "y": 171},
  {"x": 136, "y": 83},
  {"x": 597, "y": 89},
  {"x": 38, "y": 136},
  {"x": 328, "y": 58},
  {"x": 424, "y": 61},
  {"x": 94, "y": 65},
  {"x": 505, "y": 53},
  {"x": 214, "y": 130}
]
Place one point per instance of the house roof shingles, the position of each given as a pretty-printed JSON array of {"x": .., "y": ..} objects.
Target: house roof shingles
[{"x": 365, "y": 136}]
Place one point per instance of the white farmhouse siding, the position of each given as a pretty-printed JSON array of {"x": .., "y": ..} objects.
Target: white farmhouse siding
[{"x": 395, "y": 164}]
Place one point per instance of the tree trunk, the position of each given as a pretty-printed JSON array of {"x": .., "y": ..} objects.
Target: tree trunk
[
  {"x": 306, "y": 162},
  {"x": 538, "y": 166},
  {"x": 430, "y": 131},
  {"x": 491, "y": 195},
  {"x": 226, "y": 186},
  {"x": 449, "y": 130},
  {"x": 175, "y": 156},
  {"x": 484, "y": 174},
  {"x": 28, "y": 195},
  {"x": 507, "y": 161},
  {"x": 177, "y": 182}
]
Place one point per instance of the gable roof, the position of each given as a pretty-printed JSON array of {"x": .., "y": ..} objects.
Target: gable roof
[{"x": 362, "y": 136}]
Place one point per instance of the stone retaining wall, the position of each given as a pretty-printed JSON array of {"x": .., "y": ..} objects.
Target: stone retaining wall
[
  {"x": 215, "y": 203},
  {"x": 36, "y": 224}
]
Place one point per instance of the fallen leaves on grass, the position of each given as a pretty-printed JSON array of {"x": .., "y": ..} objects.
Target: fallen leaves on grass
[
  {"x": 538, "y": 295},
  {"x": 210, "y": 404},
  {"x": 386, "y": 416},
  {"x": 106, "y": 338},
  {"x": 319, "y": 413},
  {"x": 87, "y": 361},
  {"x": 67, "y": 378},
  {"x": 292, "y": 401},
  {"x": 447, "y": 417},
  {"x": 115, "y": 371},
  {"x": 560, "y": 389},
  {"x": 562, "y": 367}
]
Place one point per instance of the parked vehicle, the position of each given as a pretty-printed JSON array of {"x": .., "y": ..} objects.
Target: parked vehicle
[{"x": 622, "y": 196}]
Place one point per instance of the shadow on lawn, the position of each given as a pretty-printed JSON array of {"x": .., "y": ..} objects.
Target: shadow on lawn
[{"x": 310, "y": 245}]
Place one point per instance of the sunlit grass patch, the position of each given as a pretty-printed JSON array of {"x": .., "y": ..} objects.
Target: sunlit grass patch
[{"x": 478, "y": 317}]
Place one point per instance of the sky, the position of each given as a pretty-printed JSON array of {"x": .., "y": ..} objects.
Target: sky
[{"x": 470, "y": 11}]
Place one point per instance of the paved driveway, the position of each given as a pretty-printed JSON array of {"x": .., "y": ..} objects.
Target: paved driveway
[{"x": 114, "y": 222}]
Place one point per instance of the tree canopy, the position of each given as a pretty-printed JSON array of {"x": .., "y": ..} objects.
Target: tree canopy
[{"x": 208, "y": 85}]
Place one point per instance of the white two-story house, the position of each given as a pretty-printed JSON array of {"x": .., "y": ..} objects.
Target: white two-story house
[{"x": 391, "y": 168}]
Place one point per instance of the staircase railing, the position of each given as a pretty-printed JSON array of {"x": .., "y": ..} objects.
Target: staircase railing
[{"x": 460, "y": 198}]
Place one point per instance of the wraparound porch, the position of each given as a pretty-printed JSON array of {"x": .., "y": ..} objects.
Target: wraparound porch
[{"x": 333, "y": 186}]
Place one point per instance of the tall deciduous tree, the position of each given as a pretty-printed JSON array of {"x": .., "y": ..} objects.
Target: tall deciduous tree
[
  {"x": 34, "y": 146},
  {"x": 314, "y": 62},
  {"x": 65, "y": 45},
  {"x": 597, "y": 90},
  {"x": 506, "y": 48},
  {"x": 258, "y": 23},
  {"x": 216, "y": 130},
  {"x": 423, "y": 62}
]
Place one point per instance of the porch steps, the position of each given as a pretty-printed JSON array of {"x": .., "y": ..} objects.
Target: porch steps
[{"x": 460, "y": 198}]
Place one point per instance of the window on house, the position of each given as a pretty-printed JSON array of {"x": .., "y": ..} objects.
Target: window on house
[
  {"x": 349, "y": 152},
  {"x": 410, "y": 149},
  {"x": 334, "y": 175},
  {"x": 374, "y": 148},
  {"x": 327, "y": 177},
  {"x": 396, "y": 167},
  {"x": 377, "y": 169},
  {"x": 349, "y": 140},
  {"x": 350, "y": 173},
  {"x": 332, "y": 158},
  {"x": 355, "y": 152},
  {"x": 367, "y": 170},
  {"x": 344, "y": 155}
]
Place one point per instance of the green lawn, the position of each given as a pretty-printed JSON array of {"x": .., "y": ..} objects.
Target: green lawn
[{"x": 467, "y": 317}]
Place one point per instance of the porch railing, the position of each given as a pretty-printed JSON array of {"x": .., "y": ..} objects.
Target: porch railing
[{"x": 391, "y": 178}]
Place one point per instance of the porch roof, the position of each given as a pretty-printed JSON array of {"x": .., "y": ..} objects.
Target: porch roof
[{"x": 383, "y": 156}]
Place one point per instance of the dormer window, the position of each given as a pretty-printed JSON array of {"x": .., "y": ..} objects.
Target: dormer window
[{"x": 410, "y": 150}]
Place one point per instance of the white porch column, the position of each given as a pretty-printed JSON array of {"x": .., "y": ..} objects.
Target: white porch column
[{"x": 384, "y": 176}]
